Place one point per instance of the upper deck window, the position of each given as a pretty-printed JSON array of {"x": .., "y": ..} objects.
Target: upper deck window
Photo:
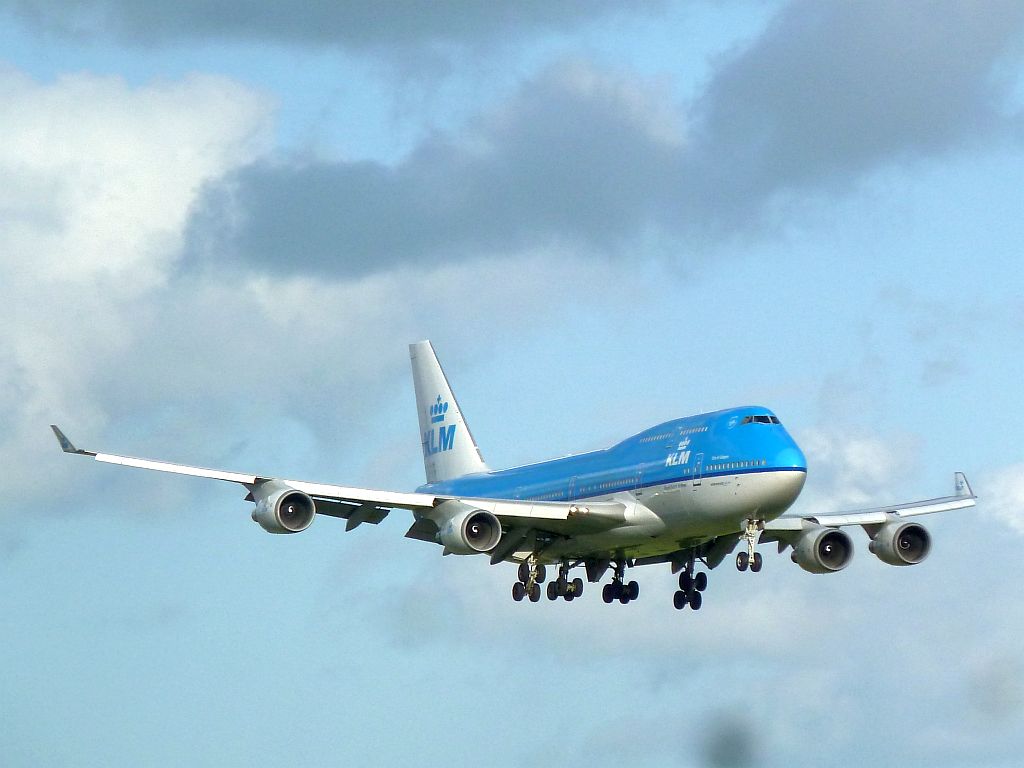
[{"x": 760, "y": 419}]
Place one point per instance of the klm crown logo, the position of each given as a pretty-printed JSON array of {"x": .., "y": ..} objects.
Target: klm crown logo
[
  {"x": 437, "y": 411},
  {"x": 441, "y": 438}
]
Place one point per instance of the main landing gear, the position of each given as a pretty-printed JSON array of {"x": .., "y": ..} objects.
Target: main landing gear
[
  {"x": 691, "y": 588},
  {"x": 618, "y": 590},
  {"x": 750, "y": 558},
  {"x": 531, "y": 576},
  {"x": 564, "y": 587}
]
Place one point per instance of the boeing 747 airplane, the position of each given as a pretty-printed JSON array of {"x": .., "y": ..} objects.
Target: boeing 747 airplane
[{"x": 688, "y": 493}]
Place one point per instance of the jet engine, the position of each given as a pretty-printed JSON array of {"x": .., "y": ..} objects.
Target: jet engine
[
  {"x": 898, "y": 543},
  {"x": 281, "y": 509},
  {"x": 470, "y": 531},
  {"x": 823, "y": 550}
]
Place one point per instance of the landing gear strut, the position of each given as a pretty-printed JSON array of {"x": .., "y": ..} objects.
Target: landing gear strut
[
  {"x": 531, "y": 576},
  {"x": 691, "y": 587},
  {"x": 750, "y": 558},
  {"x": 618, "y": 590},
  {"x": 564, "y": 587}
]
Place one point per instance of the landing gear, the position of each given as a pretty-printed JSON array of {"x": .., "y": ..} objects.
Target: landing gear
[
  {"x": 619, "y": 589},
  {"x": 531, "y": 576},
  {"x": 750, "y": 558},
  {"x": 691, "y": 585}
]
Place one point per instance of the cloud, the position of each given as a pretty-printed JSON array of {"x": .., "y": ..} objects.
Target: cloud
[
  {"x": 605, "y": 162},
  {"x": 571, "y": 159},
  {"x": 831, "y": 90},
  {"x": 388, "y": 26},
  {"x": 1002, "y": 496},
  {"x": 98, "y": 180}
]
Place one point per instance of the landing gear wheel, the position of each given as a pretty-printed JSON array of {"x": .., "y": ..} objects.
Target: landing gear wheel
[
  {"x": 633, "y": 590},
  {"x": 679, "y": 600},
  {"x": 756, "y": 562},
  {"x": 608, "y": 593},
  {"x": 569, "y": 597},
  {"x": 561, "y": 586},
  {"x": 534, "y": 593},
  {"x": 518, "y": 591},
  {"x": 577, "y": 587},
  {"x": 542, "y": 573},
  {"x": 552, "y": 591},
  {"x": 524, "y": 572},
  {"x": 700, "y": 581},
  {"x": 696, "y": 600},
  {"x": 742, "y": 561},
  {"x": 685, "y": 581},
  {"x": 624, "y": 597}
]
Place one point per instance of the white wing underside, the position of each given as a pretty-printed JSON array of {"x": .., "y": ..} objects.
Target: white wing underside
[
  {"x": 369, "y": 505},
  {"x": 963, "y": 498}
]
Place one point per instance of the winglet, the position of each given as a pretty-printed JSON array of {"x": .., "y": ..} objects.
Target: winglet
[
  {"x": 963, "y": 488},
  {"x": 66, "y": 445}
]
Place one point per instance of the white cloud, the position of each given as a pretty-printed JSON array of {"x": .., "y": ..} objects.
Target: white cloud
[
  {"x": 98, "y": 177},
  {"x": 1002, "y": 496}
]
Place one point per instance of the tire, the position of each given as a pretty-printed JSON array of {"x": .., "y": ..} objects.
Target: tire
[
  {"x": 700, "y": 581},
  {"x": 623, "y": 596},
  {"x": 524, "y": 572},
  {"x": 696, "y": 600},
  {"x": 552, "y": 591},
  {"x": 633, "y": 589},
  {"x": 569, "y": 597},
  {"x": 685, "y": 581},
  {"x": 577, "y": 587},
  {"x": 679, "y": 600},
  {"x": 742, "y": 561},
  {"x": 535, "y": 593},
  {"x": 518, "y": 591},
  {"x": 607, "y": 593},
  {"x": 757, "y": 562},
  {"x": 560, "y": 585},
  {"x": 542, "y": 573}
]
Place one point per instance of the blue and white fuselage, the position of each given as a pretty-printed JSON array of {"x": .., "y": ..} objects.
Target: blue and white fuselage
[{"x": 683, "y": 481}]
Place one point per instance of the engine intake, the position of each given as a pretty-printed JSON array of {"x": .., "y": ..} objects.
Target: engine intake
[
  {"x": 281, "y": 509},
  {"x": 470, "y": 531},
  {"x": 823, "y": 550},
  {"x": 899, "y": 543}
]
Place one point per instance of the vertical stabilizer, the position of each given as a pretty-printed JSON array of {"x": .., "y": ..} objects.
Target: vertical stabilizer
[{"x": 449, "y": 449}]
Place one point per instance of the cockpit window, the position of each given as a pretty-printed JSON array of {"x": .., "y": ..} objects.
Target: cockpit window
[{"x": 760, "y": 419}]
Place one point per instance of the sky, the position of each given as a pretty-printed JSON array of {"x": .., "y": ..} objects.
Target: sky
[{"x": 222, "y": 223}]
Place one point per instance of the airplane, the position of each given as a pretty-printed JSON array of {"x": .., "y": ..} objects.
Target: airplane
[{"x": 686, "y": 493}]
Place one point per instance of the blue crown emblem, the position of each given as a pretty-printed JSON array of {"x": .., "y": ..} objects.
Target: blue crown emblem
[{"x": 437, "y": 411}]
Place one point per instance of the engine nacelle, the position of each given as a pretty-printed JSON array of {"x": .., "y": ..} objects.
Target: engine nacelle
[
  {"x": 281, "y": 509},
  {"x": 470, "y": 531},
  {"x": 823, "y": 550},
  {"x": 898, "y": 543}
]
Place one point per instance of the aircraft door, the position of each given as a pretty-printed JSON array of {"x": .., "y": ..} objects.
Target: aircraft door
[{"x": 698, "y": 470}]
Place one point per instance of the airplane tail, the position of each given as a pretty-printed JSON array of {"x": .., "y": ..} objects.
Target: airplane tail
[{"x": 449, "y": 449}]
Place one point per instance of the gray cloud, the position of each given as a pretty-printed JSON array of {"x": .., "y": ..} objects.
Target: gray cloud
[
  {"x": 827, "y": 94},
  {"x": 358, "y": 26},
  {"x": 572, "y": 158}
]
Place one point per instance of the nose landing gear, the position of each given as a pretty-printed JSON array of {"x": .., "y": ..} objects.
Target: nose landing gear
[{"x": 750, "y": 558}]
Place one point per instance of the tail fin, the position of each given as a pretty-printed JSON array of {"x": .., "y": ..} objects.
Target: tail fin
[{"x": 449, "y": 449}]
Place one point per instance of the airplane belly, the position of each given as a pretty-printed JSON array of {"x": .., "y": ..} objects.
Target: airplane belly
[{"x": 721, "y": 504}]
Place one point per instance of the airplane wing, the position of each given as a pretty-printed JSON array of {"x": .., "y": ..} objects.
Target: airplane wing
[
  {"x": 364, "y": 505},
  {"x": 963, "y": 497}
]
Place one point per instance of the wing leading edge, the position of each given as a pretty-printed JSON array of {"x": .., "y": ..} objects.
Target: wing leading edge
[
  {"x": 963, "y": 498},
  {"x": 365, "y": 505}
]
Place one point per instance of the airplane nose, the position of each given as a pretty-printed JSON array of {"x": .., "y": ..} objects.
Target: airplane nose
[{"x": 790, "y": 457}]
